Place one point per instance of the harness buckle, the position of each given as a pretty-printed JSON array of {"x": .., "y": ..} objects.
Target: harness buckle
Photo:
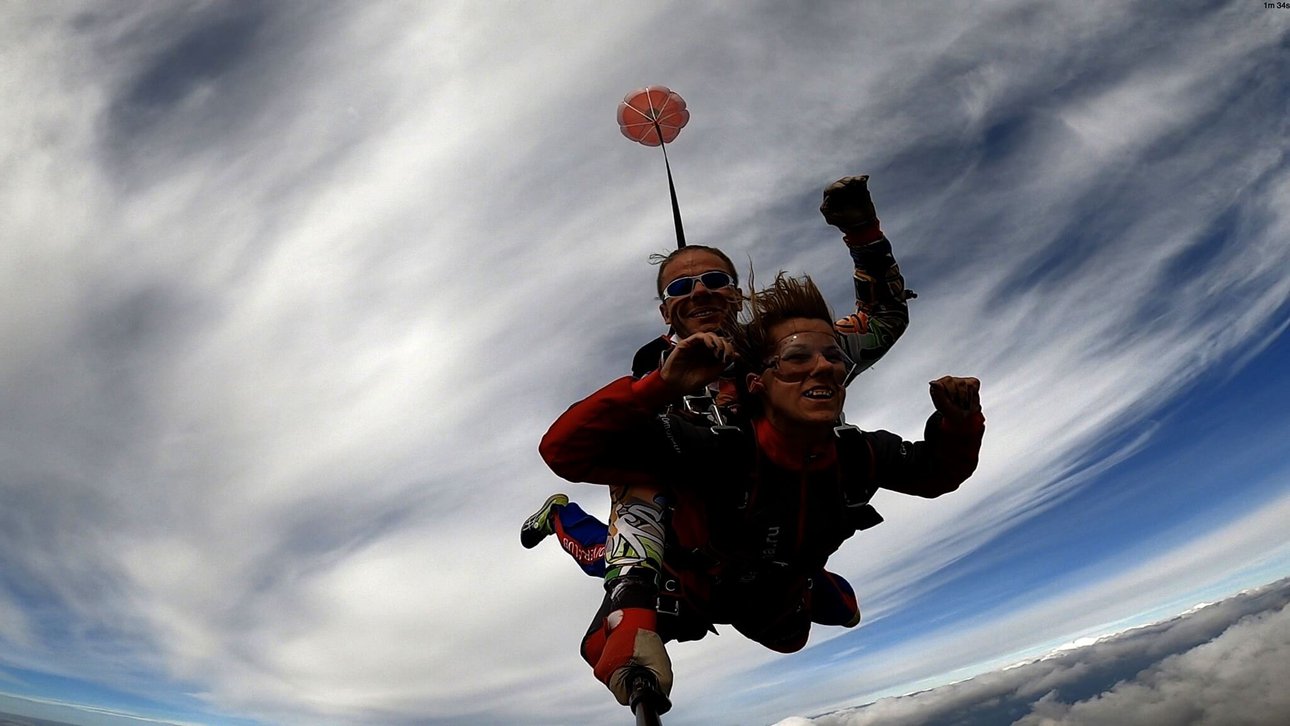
[
  {"x": 669, "y": 603},
  {"x": 706, "y": 406},
  {"x": 843, "y": 430}
]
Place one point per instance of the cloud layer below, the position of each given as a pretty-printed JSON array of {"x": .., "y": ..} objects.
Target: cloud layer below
[{"x": 1217, "y": 664}]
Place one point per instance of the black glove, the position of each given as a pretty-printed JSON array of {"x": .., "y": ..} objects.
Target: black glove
[
  {"x": 957, "y": 399},
  {"x": 847, "y": 204}
]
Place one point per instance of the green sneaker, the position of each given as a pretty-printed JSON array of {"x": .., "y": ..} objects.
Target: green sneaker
[{"x": 538, "y": 526}]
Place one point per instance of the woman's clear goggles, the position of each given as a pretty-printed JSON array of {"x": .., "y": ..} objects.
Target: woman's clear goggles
[
  {"x": 798, "y": 362},
  {"x": 682, "y": 286}
]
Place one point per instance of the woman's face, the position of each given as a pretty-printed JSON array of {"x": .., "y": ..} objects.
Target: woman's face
[{"x": 802, "y": 387}]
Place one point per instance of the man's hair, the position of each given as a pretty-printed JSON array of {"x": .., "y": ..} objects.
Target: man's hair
[
  {"x": 785, "y": 299},
  {"x": 662, "y": 260}
]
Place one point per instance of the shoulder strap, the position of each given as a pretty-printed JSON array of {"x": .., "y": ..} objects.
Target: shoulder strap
[
  {"x": 700, "y": 437},
  {"x": 650, "y": 356},
  {"x": 723, "y": 455},
  {"x": 856, "y": 476}
]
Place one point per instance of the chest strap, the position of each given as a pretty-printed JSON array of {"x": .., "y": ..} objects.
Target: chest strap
[
  {"x": 705, "y": 408},
  {"x": 856, "y": 477}
]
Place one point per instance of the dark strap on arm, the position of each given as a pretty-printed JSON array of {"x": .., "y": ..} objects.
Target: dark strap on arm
[{"x": 856, "y": 475}]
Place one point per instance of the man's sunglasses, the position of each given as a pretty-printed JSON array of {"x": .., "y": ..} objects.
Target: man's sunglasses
[{"x": 682, "y": 286}]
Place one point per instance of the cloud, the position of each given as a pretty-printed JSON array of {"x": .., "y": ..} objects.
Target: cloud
[{"x": 1218, "y": 664}]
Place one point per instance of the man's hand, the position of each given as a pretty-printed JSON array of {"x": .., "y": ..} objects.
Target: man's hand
[
  {"x": 847, "y": 204},
  {"x": 956, "y": 398},
  {"x": 696, "y": 361}
]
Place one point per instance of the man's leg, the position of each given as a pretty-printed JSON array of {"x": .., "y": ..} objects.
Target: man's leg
[
  {"x": 538, "y": 526},
  {"x": 782, "y": 620},
  {"x": 832, "y": 600},
  {"x": 581, "y": 535},
  {"x": 624, "y": 634},
  {"x": 623, "y": 638},
  {"x": 776, "y": 616},
  {"x": 636, "y": 536}
]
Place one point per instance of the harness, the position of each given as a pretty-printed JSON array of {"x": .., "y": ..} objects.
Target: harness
[
  {"x": 731, "y": 450},
  {"x": 855, "y": 454},
  {"x": 706, "y": 406}
]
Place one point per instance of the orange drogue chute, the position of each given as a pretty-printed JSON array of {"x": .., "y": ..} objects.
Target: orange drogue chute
[{"x": 652, "y": 116}]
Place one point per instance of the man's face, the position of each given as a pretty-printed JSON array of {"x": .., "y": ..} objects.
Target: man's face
[
  {"x": 802, "y": 390},
  {"x": 703, "y": 310}
]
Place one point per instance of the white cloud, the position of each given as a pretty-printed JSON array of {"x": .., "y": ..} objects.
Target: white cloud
[
  {"x": 1219, "y": 664},
  {"x": 1233, "y": 679}
]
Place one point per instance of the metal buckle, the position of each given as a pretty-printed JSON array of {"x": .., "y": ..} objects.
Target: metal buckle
[
  {"x": 706, "y": 406},
  {"x": 673, "y": 599}
]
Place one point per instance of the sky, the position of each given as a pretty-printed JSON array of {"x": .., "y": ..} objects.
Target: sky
[{"x": 293, "y": 289}]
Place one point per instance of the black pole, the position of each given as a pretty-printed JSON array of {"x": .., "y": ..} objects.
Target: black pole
[
  {"x": 647, "y": 701},
  {"x": 671, "y": 188},
  {"x": 645, "y": 716}
]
